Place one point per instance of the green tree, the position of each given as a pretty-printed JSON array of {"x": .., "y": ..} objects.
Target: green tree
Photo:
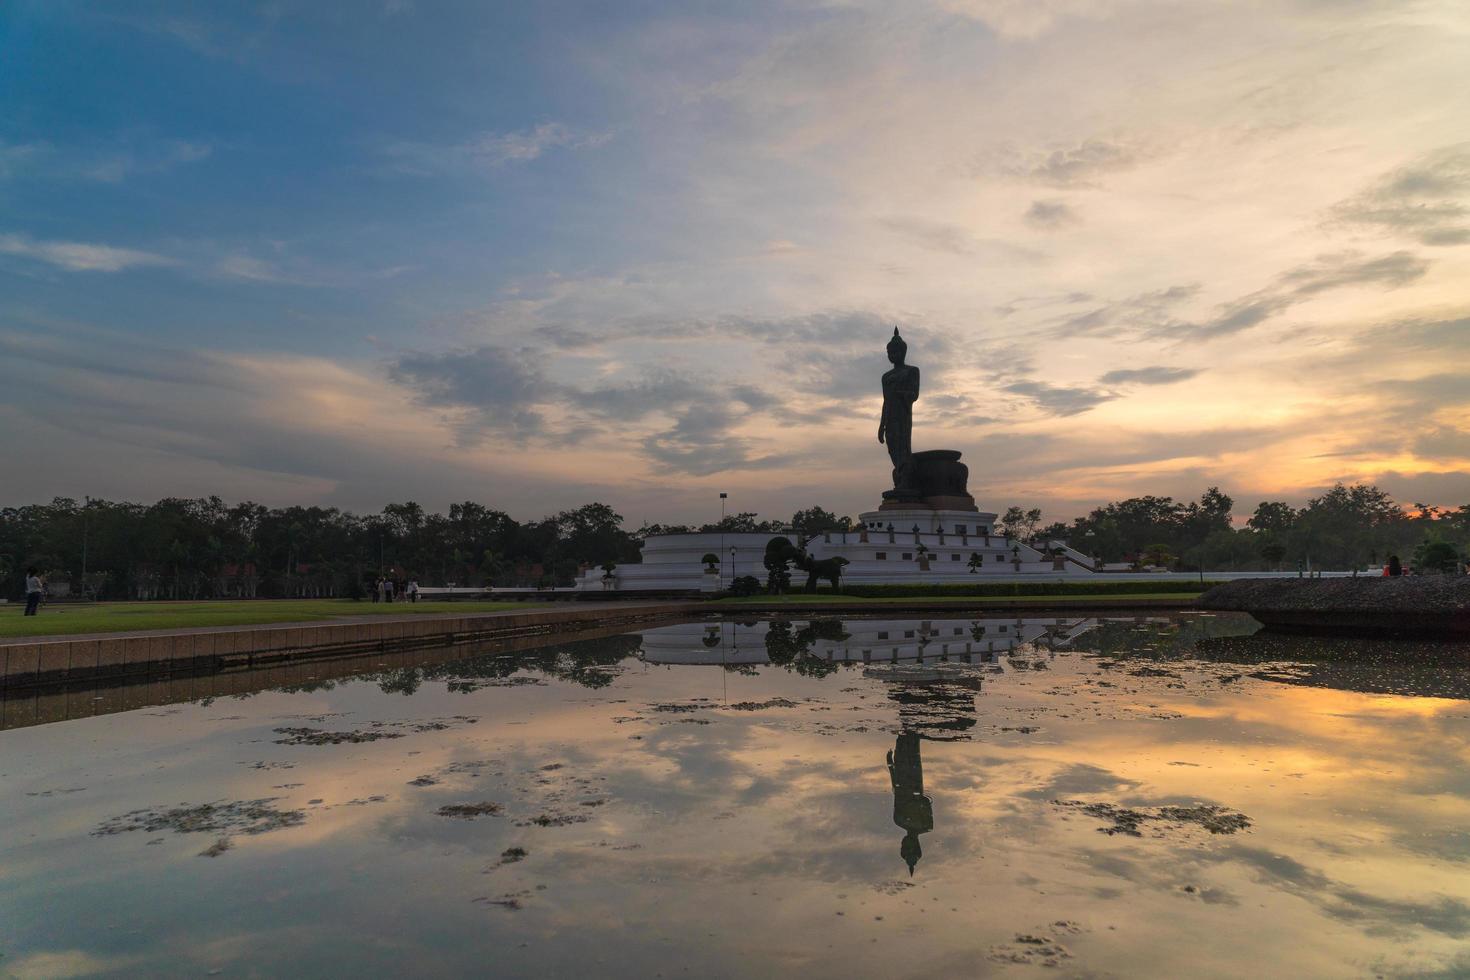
[
  {"x": 1272, "y": 517},
  {"x": 815, "y": 520},
  {"x": 1157, "y": 554},
  {"x": 1436, "y": 557}
]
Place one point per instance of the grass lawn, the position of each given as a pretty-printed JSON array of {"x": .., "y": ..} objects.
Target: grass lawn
[
  {"x": 958, "y": 600},
  {"x": 108, "y": 617}
]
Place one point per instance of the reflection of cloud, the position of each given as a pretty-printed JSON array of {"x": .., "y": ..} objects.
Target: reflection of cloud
[
  {"x": 1079, "y": 779},
  {"x": 1443, "y": 914}
]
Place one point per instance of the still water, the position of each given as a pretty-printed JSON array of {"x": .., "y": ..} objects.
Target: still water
[{"x": 1078, "y": 797}]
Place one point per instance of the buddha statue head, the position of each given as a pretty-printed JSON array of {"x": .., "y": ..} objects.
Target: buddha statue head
[{"x": 897, "y": 348}]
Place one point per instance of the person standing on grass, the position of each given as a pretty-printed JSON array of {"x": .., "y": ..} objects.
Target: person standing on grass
[
  {"x": 387, "y": 589},
  {"x": 34, "y": 588},
  {"x": 413, "y": 590}
]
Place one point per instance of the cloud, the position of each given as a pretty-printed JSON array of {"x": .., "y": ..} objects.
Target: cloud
[
  {"x": 80, "y": 256},
  {"x": 1060, "y": 400},
  {"x": 487, "y": 151},
  {"x": 501, "y": 387},
  {"x": 1443, "y": 443},
  {"x": 505, "y": 392},
  {"x": 1141, "y": 313},
  {"x": 1326, "y": 273},
  {"x": 1029, "y": 19},
  {"x": 700, "y": 444},
  {"x": 19, "y": 158},
  {"x": 937, "y": 236},
  {"x": 656, "y": 391},
  {"x": 943, "y": 236},
  {"x": 1451, "y": 487},
  {"x": 1051, "y": 215},
  {"x": 1076, "y": 165},
  {"x": 1000, "y": 360},
  {"x": 108, "y": 162},
  {"x": 1426, "y": 200},
  {"x": 252, "y": 269},
  {"x": 1431, "y": 390},
  {"x": 1148, "y": 376}
]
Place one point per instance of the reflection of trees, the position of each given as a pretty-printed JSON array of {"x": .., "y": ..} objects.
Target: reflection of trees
[
  {"x": 791, "y": 649},
  {"x": 1159, "y": 639},
  {"x": 1415, "y": 668},
  {"x": 404, "y": 680},
  {"x": 585, "y": 662},
  {"x": 941, "y": 709}
]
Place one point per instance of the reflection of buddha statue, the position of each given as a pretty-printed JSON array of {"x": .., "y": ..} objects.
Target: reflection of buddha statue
[{"x": 912, "y": 810}]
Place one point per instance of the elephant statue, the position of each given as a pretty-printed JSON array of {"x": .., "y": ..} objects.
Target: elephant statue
[{"x": 780, "y": 551}]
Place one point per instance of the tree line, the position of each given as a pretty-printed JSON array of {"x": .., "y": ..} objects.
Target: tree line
[
  {"x": 1347, "y": 527},
  {"x": 204, "y": 548},
  {"x": 181, "y": 548}
]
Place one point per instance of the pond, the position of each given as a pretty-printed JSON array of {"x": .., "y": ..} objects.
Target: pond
[{"x": 1165, "y": 796}]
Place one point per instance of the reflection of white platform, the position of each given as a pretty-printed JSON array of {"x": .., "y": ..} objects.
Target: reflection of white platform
[
  {"x": 876, "y": 555},
  {"x": 981, "y": 641}
]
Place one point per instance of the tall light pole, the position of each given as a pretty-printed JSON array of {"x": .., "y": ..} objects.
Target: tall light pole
[
  {"x": 86, "y": 506},
  {"x": 723, "y": 496}
]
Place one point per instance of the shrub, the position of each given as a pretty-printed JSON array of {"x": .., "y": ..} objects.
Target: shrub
[{"x": 745, "y": 585}]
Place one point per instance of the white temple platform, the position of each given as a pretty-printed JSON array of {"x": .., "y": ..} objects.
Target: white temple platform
[{"x": 884, "y": 550}]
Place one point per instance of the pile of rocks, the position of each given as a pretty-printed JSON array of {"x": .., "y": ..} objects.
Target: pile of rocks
[{"x": 1419, "y": 605}]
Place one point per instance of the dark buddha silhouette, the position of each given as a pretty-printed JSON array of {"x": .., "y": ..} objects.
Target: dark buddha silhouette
[
  {"x": 912, "y": 810},
  {"x": 896, "y": 428}
]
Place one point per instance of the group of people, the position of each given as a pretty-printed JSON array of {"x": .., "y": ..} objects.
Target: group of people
[{"x": 385, "y": 589}]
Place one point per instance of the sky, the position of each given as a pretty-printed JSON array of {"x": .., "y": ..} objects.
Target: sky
[{"x": 536, "y": 255}]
